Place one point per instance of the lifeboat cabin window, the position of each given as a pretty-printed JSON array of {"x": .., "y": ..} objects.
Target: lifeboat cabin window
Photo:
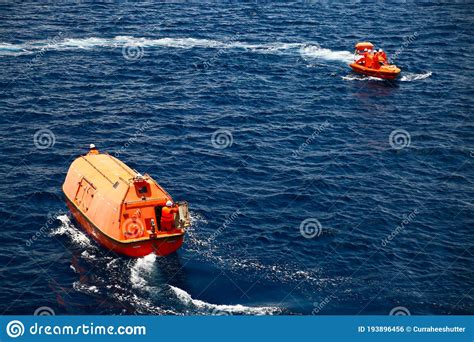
[{"x": 142, "y": 189}]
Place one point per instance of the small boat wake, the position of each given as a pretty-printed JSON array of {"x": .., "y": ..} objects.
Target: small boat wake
[
  {"x": 105, "y": 275},
  {"x": 7, "y": 49},
  {"x": 309, "y": 52},
  {"x": 234, "y": 260},
  {"x": 357, "y": 77},
  {"x": 130, "y": 283},
  {"x": 216, "y": 309},
  {"x": 408, "y": 77},
  {"x": 306, "y": 50},
  {"x": 77, "y": 236},
  {"x": 142, "y": 275}
]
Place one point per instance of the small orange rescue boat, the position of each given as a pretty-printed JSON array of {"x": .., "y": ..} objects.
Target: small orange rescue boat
[
  {"x": 126, "y": 212},
  {"x": 370, "y": 62}
]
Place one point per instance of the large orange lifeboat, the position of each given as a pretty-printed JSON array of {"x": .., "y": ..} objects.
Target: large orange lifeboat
[
  {"x": 121, "y": 209},
  {"x": 369, "y": 62}
]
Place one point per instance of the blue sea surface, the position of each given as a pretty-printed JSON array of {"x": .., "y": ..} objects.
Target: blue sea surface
[{"x": 312, "y": 190}]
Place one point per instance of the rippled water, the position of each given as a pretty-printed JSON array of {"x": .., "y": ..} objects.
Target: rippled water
[{"x": 312, "y": 190}]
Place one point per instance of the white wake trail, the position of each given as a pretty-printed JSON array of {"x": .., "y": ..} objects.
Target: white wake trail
[
  {"x": 311, "y": 50},
  {"x": 409, "y": 77},
  {"x": 142, "y": 268},
  {"x": 317, "y": 52},
  {"x": 216, "y": 309},
  {"x": 67, "y": 228}
]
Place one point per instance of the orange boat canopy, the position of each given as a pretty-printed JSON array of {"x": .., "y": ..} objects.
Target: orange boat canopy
[
  {"x": 364, "y": 45},
  {"x": 110, "y": 194}
]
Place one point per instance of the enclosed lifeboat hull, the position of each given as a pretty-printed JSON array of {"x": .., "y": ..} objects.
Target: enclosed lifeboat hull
[
  {"x": 386, "y": 72},
  {"x": 160, "y": 246},
  {"x": 121, "y": 209}
]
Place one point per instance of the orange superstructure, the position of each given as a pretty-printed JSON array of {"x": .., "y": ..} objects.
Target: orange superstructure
[{"x": 121, "y": 209}]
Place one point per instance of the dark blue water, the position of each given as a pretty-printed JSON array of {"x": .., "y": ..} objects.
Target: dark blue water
[{"x": 312, "y": 190}]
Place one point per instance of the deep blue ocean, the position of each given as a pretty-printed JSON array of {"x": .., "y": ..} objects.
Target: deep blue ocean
[{"x": 312, "y": 190}]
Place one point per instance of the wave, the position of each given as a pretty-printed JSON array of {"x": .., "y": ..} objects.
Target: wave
[
  {"x": 142, "y": 268},
  {"x": 40, "y": 46},
  {"x": 7, "y": 49},
  {"x": 317, "y": 52},
  {"x": 125, "y": 41},
  {"x": 308, "y": 51},
  {"x": 408, "y": 77},
  {"x": 415, "y": 77},
  {"x": 225, "y": 257},
  {"x": 10, "y": 47},
  {"x": 84, "y": 288},
  {"x": 223, "y": 309},
  {"x": 139, "y": 293},
  {"x": 137, "y": 284},
  {"x": 356, "y": 77},
  {"x": 68, "y": 229}
]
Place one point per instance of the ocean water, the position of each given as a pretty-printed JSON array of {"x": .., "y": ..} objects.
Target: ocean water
[{"x": 312, "y": 190}]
